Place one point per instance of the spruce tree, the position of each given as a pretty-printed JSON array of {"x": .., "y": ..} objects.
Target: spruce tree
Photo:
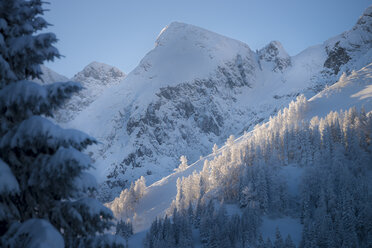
[
  {"x": 279, "y": 243},
  {"x": 260, "y": 242},
  {"x": 124, "y": 229},
  {"x": 46, "y": 199},
  {"x": 268, "y": 243},
  {"x": 289, "y": 243}
]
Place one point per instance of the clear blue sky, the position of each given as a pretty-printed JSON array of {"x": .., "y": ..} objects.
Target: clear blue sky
[{"x": 121, "y": 32}]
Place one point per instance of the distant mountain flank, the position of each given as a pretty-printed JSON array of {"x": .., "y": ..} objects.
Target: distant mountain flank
[
  {"x": 49, "y": 76},
  {"x": 95, "y": 78},
  {"x": 97, "y": 73}
]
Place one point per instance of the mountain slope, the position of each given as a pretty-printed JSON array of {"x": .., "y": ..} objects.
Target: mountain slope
[
  {"x": 353, "y": 90},
  {"x": 348, "y": 92},
  {"x": 195, "y": 88},
  {"x": 352, "y": 49},
  {"x": 49, "y": 76}
]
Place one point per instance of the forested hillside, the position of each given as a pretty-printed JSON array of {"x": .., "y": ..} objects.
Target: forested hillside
[
  {"x": 333, "y": 200},
  {"x": 301, "y": 164}
]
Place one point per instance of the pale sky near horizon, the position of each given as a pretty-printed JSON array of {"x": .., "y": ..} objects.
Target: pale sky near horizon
[{"x": 121, "y": 32}]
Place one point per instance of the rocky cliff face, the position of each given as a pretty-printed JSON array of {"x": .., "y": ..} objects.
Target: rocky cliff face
[
  {"x": 275, "y": 54},
  {"x": 195, "y": 88},
  {"x": 352, "y": 49}
]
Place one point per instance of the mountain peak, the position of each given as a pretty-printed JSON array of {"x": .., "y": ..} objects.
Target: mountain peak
[
  {"x": 97, "y": 64},
  {"x": 175, "y": 29},
  {"x": 366, "y": 17},
  {"x": 99, "y": 71},
  {"x": 275, "y": 52},
  {"x": 179, "y": 31},
  {"x": 184, "y": 52}
]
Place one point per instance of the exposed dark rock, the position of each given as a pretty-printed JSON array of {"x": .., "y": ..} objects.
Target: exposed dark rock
[
  {"x": 337, "y": 57},
  {"x": 187, "y": 102},
  {"x": 207, "y": 124},
  {"x": 131, "y": 160},
  {"x": 271, "y": 53},
  {"x": 235, "y": 73}
]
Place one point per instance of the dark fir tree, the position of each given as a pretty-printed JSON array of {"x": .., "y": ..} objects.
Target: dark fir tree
[
  {"x": 46, "y": 195},
  {"x": 124, "y": 229},
  {"x": 289, "y": 243}
]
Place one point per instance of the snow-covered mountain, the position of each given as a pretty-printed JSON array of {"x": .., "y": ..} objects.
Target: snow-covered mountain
[
  {"x": 95, "y": 78},
  {"x": 350, "y": 91},
  {"x": 196, "y": 87},
  {"x": 49, "y": 76}
]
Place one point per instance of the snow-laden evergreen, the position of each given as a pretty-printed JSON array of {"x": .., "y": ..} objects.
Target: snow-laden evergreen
[
  {"x": 215, "y": 228},
  {"x": 33, "y": 233},
  {"x": 46, "y": 193},
  {"x": 183, "y": 165},
  {"x": 129, "y": 198},
  {"x": 334, "y": 199},
  {"x": 336, "y": 154},
  {"x": 22, "y": 51}
]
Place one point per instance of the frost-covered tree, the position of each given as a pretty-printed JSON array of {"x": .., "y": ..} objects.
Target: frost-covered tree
[
  {"x": 333, "y": 204},
  {"x": 140, "y": 188},
  {"x": 183, "y": 165},
  {"x": 124, "y": 205},
  {"x": 215, "y": 149},
  {"x": 230, "y": 140},
  {"x": 46, "y": 193}
]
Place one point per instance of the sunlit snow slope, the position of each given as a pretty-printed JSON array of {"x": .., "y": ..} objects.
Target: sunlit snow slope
[{"x": 349, "y": 91}]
